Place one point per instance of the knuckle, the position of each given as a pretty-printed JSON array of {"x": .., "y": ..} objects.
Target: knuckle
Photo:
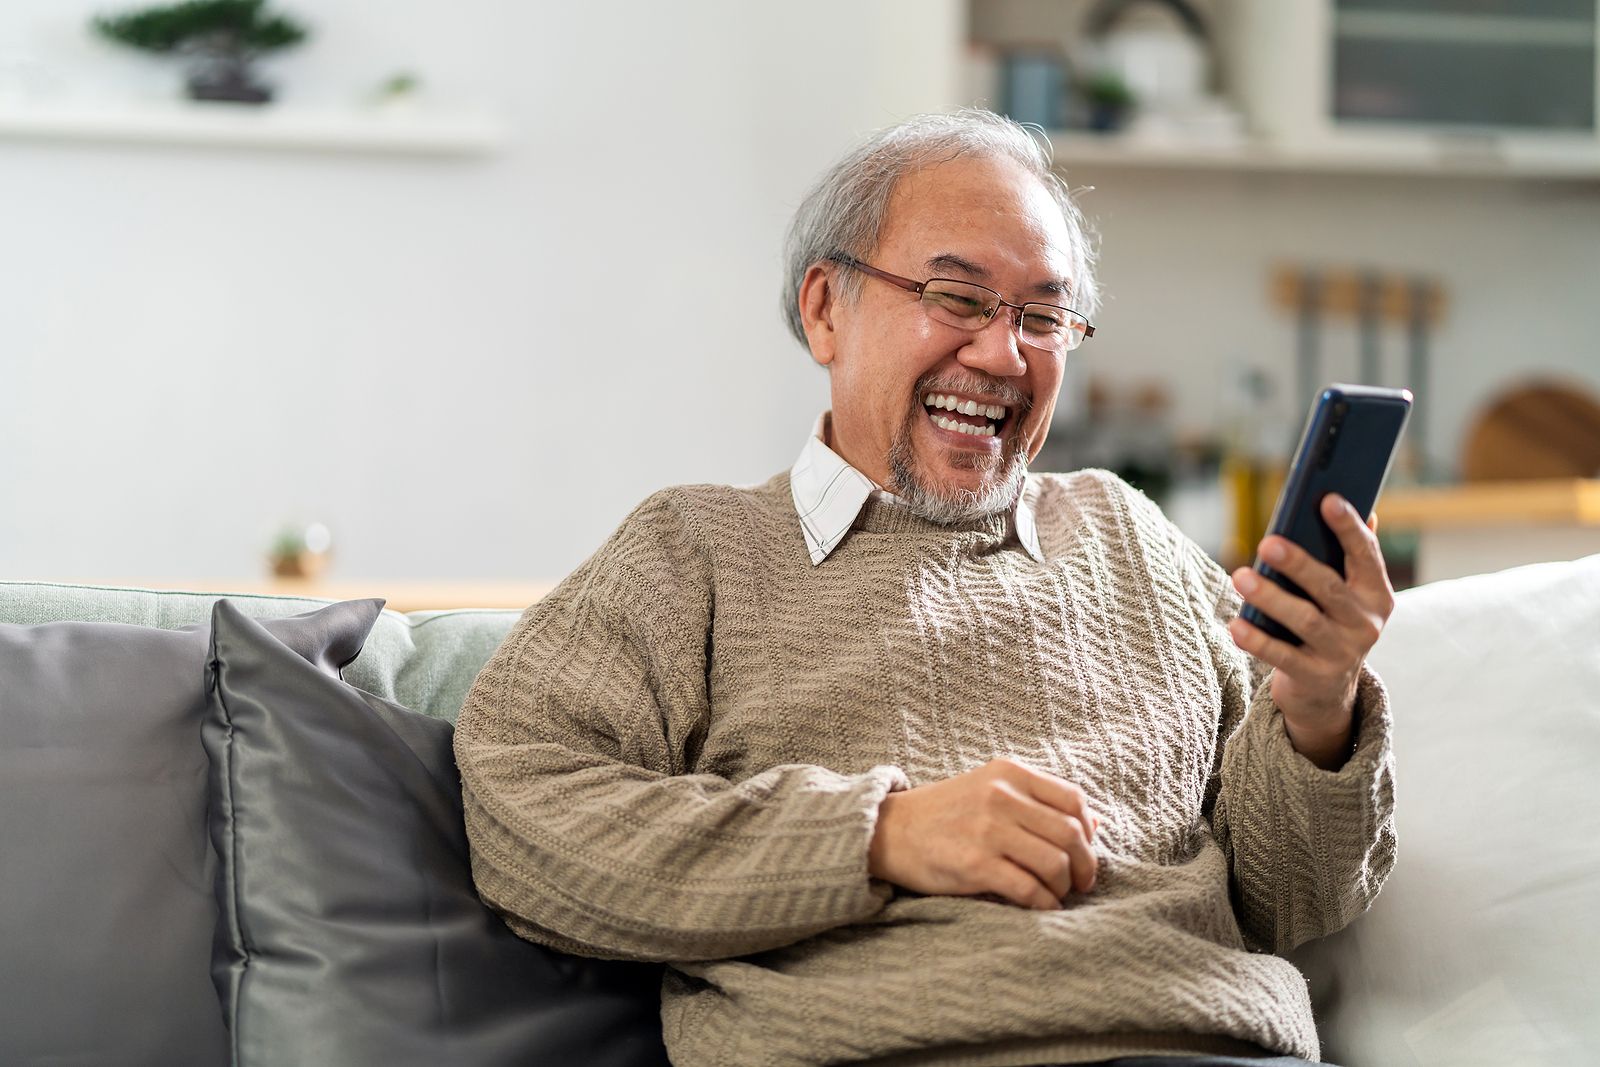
[
  {"x": 1018, "y": 887},
  {"x": 1308, "y": 621},
  {"x": 1004, "y": 766}
]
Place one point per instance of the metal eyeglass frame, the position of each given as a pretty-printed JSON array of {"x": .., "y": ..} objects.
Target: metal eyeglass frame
[{"x": 917, "y": 287}]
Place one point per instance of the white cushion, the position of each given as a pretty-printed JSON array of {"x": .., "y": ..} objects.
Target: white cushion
[{"x": 1484, "y": 946}]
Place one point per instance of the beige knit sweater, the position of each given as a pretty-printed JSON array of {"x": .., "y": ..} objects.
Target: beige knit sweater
[{"x": 679, "y": 753}]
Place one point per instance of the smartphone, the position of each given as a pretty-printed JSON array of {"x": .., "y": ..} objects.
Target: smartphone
[{"x": 1348, "y": 446}]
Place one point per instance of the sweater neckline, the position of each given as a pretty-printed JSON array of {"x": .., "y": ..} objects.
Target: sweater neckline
[{"x": 882, "y": 516}]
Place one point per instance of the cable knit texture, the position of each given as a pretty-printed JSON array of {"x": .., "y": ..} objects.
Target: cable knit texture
[{"x": 678, "y": 755}]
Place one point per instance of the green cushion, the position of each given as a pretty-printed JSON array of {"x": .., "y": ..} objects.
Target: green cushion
[{"x": 424, "y": 660}]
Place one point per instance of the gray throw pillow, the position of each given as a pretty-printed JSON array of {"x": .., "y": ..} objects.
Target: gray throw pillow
[
  {"x": 351, "y": 931},
  {"x": 106, "y": 906}
]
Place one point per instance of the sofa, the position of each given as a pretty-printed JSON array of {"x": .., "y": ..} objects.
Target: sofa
[{"x": 230, "y": 832}]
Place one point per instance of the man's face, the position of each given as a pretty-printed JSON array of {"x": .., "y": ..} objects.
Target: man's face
[{"x": 894, "y": 369}]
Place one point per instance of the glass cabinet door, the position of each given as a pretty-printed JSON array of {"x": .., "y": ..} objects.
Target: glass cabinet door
[{"x": 1516, "y": 65}]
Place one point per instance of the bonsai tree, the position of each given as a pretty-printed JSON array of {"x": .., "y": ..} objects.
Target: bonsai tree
[{"x": 222, "y": 37}]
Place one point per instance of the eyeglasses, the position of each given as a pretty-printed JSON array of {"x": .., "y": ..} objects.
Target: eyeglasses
[{"x": 972, "y": 307}]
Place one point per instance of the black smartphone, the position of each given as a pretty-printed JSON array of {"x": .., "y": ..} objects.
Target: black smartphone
[{"x": 1348, "y": 446}]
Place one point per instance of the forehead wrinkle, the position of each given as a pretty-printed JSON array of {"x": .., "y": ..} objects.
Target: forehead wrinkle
[{"x": 1060, "y": 287}]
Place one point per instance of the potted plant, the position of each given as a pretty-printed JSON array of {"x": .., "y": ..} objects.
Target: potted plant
[
  {"x": 221, "y": 38},
  {"x": 1109, "y": 101},
  {"x": 300, "y": 551}
]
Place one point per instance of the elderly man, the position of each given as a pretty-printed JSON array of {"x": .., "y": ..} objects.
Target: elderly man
[{"x": 910, "y": 756}]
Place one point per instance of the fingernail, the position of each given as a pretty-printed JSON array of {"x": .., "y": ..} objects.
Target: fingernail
[
  {"x": 1272, "y": 551},
  {"x": 1245, "y": 581}
]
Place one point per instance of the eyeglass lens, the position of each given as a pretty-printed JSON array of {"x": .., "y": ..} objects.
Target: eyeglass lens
[{"x": 971, "y": 307}]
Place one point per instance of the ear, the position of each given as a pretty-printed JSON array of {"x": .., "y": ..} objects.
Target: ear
[{"x": 818, "y": 299}]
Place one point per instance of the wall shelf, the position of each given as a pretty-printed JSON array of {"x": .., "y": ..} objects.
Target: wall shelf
[
  {"x": 403, "y": 130},
  {"x": 1464, "y": 157}
]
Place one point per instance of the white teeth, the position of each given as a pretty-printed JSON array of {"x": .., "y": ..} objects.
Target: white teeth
[
  {"x": 962, "y": 427},
  {"x": 942, "y": 402}
]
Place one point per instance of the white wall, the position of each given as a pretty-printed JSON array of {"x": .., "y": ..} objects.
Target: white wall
[
  {"x": 468, "y": 369},
  {"x": 197, "y": 345}
]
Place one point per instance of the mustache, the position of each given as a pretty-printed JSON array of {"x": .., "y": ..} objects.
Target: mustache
[{"x": 1005, "y": 392}]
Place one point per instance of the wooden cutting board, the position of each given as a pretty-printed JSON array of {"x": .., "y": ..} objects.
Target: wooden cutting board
[{"x": 1538, "y": 430}]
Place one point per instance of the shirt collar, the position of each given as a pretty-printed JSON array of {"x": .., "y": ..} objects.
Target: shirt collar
[{"x": 829, "y": 493}]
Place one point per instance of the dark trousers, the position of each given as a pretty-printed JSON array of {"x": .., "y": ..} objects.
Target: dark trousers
[{"x": 1202, "y": 1061}]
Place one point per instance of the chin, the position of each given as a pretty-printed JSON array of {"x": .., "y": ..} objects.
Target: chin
[{"x": 950, "y": 493}]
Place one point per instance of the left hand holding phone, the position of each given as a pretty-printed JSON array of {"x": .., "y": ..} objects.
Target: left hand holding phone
[{"x": 1314, "y": 685}]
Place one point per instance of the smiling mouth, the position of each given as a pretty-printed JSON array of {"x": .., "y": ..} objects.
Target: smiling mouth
[{"x": 967, "y": 417}]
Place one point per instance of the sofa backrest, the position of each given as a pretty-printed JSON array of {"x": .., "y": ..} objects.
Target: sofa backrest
[{"x": 425, "y": 660}]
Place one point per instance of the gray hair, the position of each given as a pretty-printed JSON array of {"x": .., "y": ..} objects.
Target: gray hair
[{"x": 843, "y": 214}]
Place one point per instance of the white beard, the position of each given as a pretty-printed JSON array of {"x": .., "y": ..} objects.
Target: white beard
[{"x": 948, "y": 506}]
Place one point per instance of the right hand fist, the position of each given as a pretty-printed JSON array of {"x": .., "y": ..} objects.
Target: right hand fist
[{"x": 1005, "y": 829}]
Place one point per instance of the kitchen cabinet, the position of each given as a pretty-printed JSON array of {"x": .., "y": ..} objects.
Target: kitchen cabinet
[{"x": 1508, "y": 82}]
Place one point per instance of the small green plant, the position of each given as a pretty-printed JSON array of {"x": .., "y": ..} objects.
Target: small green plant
[
  {"x": 1109, "y": 100},
  {"x": 1108, "y": 90},
  {"x": 221, "y": 37},
  {"x": 300, "y": 551},
  {"x": 402, "y": 84}
]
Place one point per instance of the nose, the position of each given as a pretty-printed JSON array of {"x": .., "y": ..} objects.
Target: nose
[{"x": 995, "y": 348}]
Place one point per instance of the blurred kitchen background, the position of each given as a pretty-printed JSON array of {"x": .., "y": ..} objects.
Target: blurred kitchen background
[{"x": 479, "y": 276}]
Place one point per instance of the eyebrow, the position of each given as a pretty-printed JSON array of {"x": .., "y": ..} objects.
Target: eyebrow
[{"x": 950, "y": 261}]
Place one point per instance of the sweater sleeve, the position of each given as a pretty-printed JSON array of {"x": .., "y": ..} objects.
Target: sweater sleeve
[
  {"x": 589, "y": 830},
  {"x": 1307, "y": 849}
]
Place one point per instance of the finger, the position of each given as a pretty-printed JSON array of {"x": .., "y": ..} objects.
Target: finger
[
  {"x": 1059, "y": 794},
  {"x": 1063, "y": 835},
  {"x": 1363, "y": 558},
  {"x": 1271, "y": 651},
  {"x": 1324, "y": 585},
  {"x": 1295, "y": 612},
  {"x": 1372, "y": 522},
  {"x": 1019, "y": 885},
  {"x": 1060, "y": 870}
]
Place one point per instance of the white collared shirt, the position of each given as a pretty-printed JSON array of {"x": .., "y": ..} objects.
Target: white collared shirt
[{"x": 829, "y": 494}]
